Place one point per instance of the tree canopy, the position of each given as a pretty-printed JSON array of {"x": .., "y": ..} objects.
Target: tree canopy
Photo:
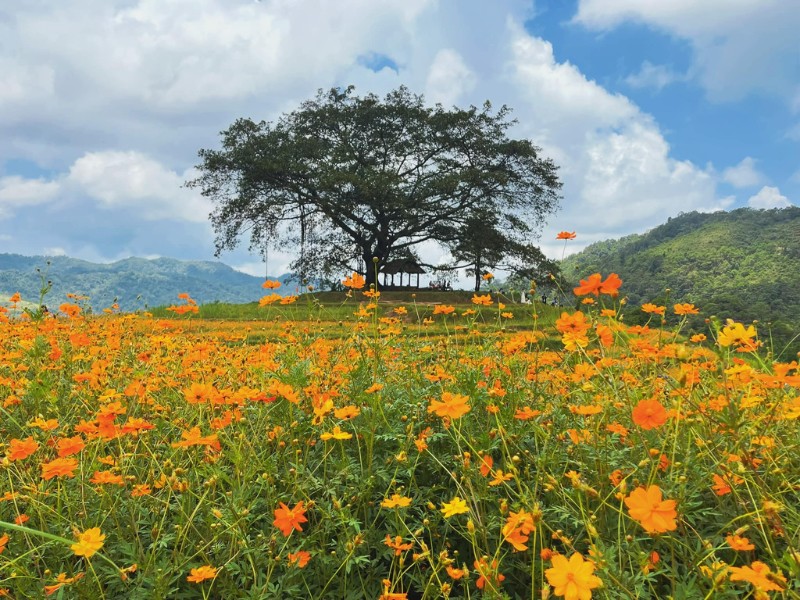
[{"x": 346, "y": 179}]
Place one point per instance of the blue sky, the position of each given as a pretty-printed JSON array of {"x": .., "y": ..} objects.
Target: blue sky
[{"x": 650, "y": 108}]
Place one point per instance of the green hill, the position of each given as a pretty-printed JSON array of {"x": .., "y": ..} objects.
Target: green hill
[
  {"x": 742, "y": 264},
  {"x": 134, "y": 283}
]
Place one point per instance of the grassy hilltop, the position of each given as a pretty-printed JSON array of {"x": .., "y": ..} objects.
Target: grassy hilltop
[{"x": 741, "y": 264}]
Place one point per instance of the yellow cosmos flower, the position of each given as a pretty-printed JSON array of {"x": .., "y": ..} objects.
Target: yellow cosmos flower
[
  {"x": 89, "y": 542},
  {"x": 336, "y": 434},
  {"x": 456, "y": 506},
  {"x": 396, "y": 501},
  {"x": 572, "y": 578}
]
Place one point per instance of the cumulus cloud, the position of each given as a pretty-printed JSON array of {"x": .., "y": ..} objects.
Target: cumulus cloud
[
  {"x": 739, "y": 46},
  {"x": 165, "y": 76},
  {"x": 133, "y": 180},
  {"x": 616, "y": 167},
  {"x": 16, "y": 191},
  {"x": 768, "y": 197},
  {"x": 182, "y": 53},
  {"x": 653, "y": 76},
  {"x": 448, "y": 78},
  {"x": 744, "y": 174},
  {"x": 20, "y": 83}
]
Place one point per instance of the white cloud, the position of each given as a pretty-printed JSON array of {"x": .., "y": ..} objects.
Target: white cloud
[
  {"x": 21, "y": 82},
  {"x": 768, "y": 197},
  {"x": 617, "y": 171},
  {"x": 54, "y": 251},
  {"x": 182, "y": 53},
  {"x": 16, "y": 191},
  {"x": 739, "y": 46},
  {"x": 744, "y": 174},
  {"x": 653, "y": 76},
  {"x": 133, "y": 180},
  {"x": 449, "y": 78}
]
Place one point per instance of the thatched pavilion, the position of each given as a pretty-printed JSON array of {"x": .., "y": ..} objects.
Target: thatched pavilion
[{"x": 401, "y": 267}]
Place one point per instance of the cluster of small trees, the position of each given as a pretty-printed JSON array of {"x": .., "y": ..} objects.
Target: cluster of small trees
[{"x": 346, "y": 179}]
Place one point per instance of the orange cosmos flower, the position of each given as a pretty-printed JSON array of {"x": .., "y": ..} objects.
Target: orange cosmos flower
[
  {"x": 739, "y": 543},
  {"x": 271, "y": 284},
  {"x": 572, "y": 323},
  {"x": 454, "y": 573},
  {"x": 300, "y": 558},
  {"x": 685, "y": 309},
  {"x": 572, "y": 578},
  {"x": 200, "y": 574},
  {"x": 60, "y": 467},
  {"x": 723, "y": 485},
  {"x": 649, "y": 414},
  {"x": 453, "y": 406},
  {"x": 288, "y": 519},
  {"x": 500, "y": 478},
  {"x": 518, "y": 528},
  {"x": 651, "y": 308},
  {"x": 605, "y": 335},
  {"x": 488, "y": 574},
  {"x": 89, "y": 542},
  {"x": 758, "y": 574},
  {"x": 271, "y": 299},
  {"x": 443, "y": 309},
  {"x": 566, "y": 235},
  {"x": 3, "y": 541},
  {"x": 653, "y": 513},
  {"x": 15, "y": 298},
  {"x": 485, "y": 300},
  {"x": 194, "y": 438},
  {"x": 140, "y": 490},
  {"x": 354, "y": 282},
  {"x": 19, "y": 449},
  {"x": 71, "y": 310},
  {"x": 48, "y": 425},
  {"x": 595, "y": 285},
  {"x": 526, "y": 413},
  {"x": 347, "y": 412},
  {"x": 106, "y": 478},
  {"x": 397, "y": 544},
  {"x": 69, "y": 446},
  {"x": 200, "y": 393}
]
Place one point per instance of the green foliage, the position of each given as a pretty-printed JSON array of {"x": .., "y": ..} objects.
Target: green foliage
[{"x": 741, "y": 264}]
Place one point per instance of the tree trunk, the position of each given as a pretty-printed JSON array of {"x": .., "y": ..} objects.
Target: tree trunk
[
  {"x": 371, "y": 268},
  {"x": 477, "y": 274}
]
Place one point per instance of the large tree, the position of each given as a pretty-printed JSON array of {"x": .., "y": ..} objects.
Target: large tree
[{"x": 346, "y": 179}]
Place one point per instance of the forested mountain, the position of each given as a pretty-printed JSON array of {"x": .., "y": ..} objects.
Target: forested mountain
[
  {"x": 134, "y": 282},
  {"x": 742, "y": 264}
]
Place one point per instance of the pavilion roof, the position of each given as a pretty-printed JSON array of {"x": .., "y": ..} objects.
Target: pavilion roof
[{"x": 402, "y": 265}]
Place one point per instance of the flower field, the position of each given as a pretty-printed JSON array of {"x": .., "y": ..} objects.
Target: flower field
[{"x": 407, "y": 452}]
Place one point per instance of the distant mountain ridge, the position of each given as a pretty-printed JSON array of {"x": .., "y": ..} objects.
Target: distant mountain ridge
[
  {"x": 135, "y": 283},
  {"x": 742, "y": 264}
]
